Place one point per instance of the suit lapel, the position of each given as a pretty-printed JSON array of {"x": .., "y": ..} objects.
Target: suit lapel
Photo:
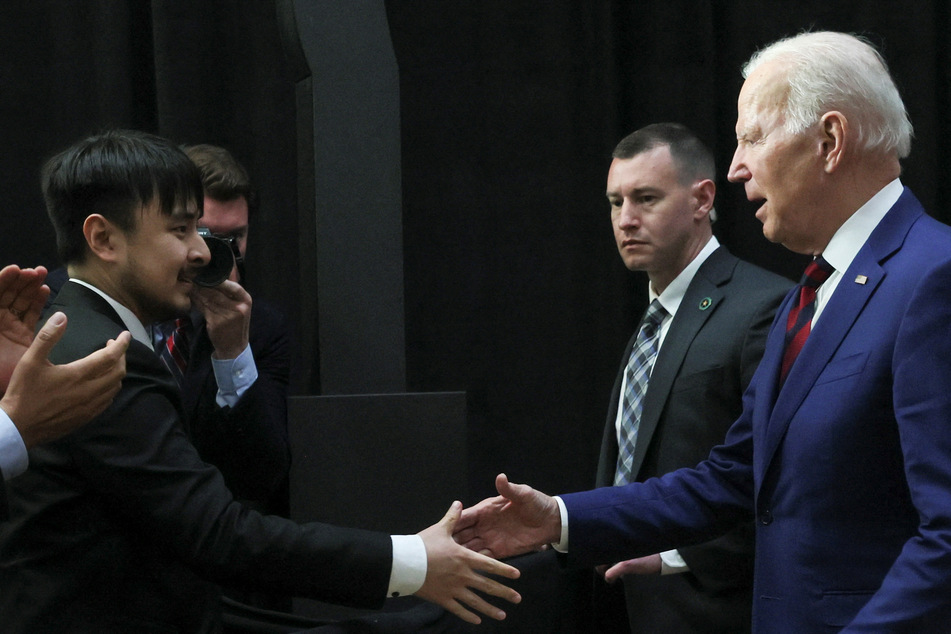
[
  {"x": 844, "y": 307},
  {"x": 700, "y": 301}
]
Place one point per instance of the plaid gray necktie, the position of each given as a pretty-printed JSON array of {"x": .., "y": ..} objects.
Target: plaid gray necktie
[{"x": 637, "y": 373}]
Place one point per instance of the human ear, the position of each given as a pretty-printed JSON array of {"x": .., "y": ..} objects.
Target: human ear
[
  {"x": 833, "y": 131},
  {"x": 103, "y": 238},
  {"x": 703, "y": 192}
]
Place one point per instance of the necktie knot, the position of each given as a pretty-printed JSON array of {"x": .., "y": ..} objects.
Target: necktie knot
[
  {"x": 654, "y": 316},
  {"x": 816, "y": 273}
]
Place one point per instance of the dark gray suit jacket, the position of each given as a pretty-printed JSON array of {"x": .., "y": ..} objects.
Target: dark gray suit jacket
[
  {"x": 707, "y": 359},
  {"x": 121, "y": 526}
]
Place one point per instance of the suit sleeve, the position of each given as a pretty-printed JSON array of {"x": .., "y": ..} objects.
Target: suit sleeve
[
  {"x": 139, "y": 459},
  {"x": 687, "y": 506},
  {"x": 249, "y": 442},
  {"x": 914, "y": 594}
]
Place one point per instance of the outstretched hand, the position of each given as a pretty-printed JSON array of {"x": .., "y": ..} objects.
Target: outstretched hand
[
  {"x": 453, "y": 573},
  {"x": 22, "y": 295},
  {"x": 518, "y": 521},
  {"x": 47, "y": 401}
]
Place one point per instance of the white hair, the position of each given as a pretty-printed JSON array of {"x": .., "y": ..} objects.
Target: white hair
[{"x": 837, "y": 71}]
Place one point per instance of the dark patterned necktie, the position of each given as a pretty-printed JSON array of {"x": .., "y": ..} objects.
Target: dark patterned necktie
[
  {"x": 799, "y": 322},
  {"x": 637, "y": 374},
  {"x": 174, "y": 349}
]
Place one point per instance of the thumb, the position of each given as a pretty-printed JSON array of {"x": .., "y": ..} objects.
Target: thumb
[
  {"x": 452, "y": 516},
  {"x": 502, "y": 485},
  {"x": 48, "y": 336}
]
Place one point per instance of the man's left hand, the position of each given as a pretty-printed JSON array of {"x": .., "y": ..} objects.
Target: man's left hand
[
  {"x": 22, "y": 295},
  {"x": 649, "y": 565},
  {"x": 227, "y": 312}
]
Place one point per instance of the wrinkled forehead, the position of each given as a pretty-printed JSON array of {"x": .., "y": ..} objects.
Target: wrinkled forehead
[{"x": 764, "y": 93}]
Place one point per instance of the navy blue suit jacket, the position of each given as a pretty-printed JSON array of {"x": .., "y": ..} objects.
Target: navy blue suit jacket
[{"x": 847, "y": 467}]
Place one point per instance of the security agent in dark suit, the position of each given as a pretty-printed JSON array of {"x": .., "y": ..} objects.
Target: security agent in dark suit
[
  {"x": 121, "y": 526},
  {"x": 718, "y": 312}
]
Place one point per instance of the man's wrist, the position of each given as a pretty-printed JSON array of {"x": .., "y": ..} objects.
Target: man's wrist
[
  {"x": 562, "y": 544},
  {"x": 13, "y": 456}
]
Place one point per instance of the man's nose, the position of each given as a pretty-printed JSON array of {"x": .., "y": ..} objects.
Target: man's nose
[
  {"x": 738, "y": 172},
  {"x": 199, "y": 253}
]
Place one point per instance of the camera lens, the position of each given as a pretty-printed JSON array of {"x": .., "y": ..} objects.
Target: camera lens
[{"x": 219, "y": 267}]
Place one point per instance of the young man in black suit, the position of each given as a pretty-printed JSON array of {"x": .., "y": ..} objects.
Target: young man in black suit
[
  {"x": 717, "y": 312},
  {"x": 121, "y": 526}
]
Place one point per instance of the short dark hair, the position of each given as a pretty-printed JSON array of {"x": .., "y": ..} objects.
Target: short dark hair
[
  {"x": 222, "y": 176},
  {"x": 115, "y": 173},
  {"x": 692, "y": 158}
]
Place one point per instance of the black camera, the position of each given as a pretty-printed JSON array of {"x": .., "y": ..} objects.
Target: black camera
[{"x": 224, "y": 257}]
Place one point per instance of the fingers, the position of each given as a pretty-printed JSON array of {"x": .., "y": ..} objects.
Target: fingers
[
  {"x": 615, "y": 572},
  {"x": 223, "y": 296},
  {"x": 477, "y": 603},
  {"x": 508, "y": 489},
  {"x": 107, "y": 363},
  {"x": 48, "y": 337},
  {"x": 492, "y": 566},
  {"x": 502, "y": 484},
  {"x": 23, "y": 293},
  {"x": 451, "y": 517}
]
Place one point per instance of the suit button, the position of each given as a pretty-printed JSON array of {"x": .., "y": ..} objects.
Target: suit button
[{"x": 766, "y": 518}]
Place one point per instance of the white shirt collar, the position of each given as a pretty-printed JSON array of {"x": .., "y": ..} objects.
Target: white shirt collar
[
  {"x": 851, "y": 237},
  {"x": 674, "y": 293},
  {"x": 854, "y": 232},
  {"x": 139, "y": 332}
]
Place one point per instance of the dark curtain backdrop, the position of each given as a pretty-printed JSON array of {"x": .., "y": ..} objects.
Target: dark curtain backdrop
[{"x": 514, "y": 291}]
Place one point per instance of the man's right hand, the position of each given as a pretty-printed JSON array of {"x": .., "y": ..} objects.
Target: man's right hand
[
  {"x": 518, "y": 521},
  {"x": 47, "y": 401},
  {"x": 453, "y": 573}
]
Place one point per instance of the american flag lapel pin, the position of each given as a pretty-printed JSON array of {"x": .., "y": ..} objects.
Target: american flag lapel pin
[{"x": 861, "y": 279}]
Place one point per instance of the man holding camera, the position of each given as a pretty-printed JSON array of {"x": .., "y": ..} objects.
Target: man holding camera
[{"x": 234, "y": 383}]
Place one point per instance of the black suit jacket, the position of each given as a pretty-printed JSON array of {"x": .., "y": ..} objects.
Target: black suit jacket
[
  {"x": 120, "y": 526},
  {"x": 248, "y": 442},
  {"x": 708, "y": 357}
]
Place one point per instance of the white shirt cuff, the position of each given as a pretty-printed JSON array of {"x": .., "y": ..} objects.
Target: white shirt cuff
[
  {"x": 234, "y": 377},
  {"x": 671, "y": 563},
  {"x": 409, "y": 565},
  {"x": 562, "y": 545},
  {"x": 13, "y": 457}
]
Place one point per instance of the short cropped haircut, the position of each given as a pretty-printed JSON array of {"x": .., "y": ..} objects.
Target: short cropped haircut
[
  {"x": 116, "y": 174},
  {"x": 838, "y": 71},
  {"x": 691, "y": 157},
  {"x": 693, "y": 160},
  {"x": 222, "y": 176}
]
